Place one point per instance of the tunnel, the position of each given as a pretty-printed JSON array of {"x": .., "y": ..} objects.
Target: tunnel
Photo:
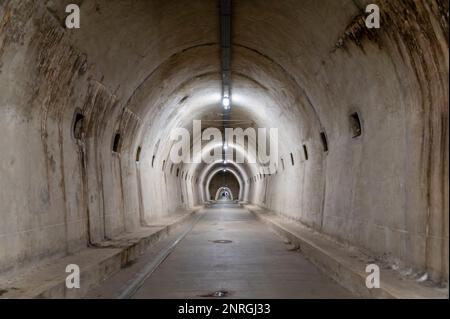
[
  {"x": 224, "y": 182},
  {"x": 97, "y": 172}
]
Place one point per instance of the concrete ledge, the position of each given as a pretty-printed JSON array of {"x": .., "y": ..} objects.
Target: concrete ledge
[
  {"x": 96, "y": 264},
  {"x": 345, "y": 265}
]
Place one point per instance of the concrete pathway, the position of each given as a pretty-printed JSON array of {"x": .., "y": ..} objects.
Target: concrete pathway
[{"x": 229, "y": 253}]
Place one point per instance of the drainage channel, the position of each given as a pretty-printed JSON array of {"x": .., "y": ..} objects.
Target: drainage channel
[{"x": 136, "y": 283}]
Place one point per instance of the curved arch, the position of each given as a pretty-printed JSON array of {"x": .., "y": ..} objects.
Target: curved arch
[
  {"x": 158, "y": 67},
  {"x": 224, "y": 192},
  {"x": 240, "y": 171},
  {"x": 215, "y": 172}
]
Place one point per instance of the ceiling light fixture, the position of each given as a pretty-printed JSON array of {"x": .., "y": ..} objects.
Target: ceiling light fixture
[{"x": 226, "y": 103}]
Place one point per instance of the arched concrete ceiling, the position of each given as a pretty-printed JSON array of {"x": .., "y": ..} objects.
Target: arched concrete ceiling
[
  {"x": 235, "y": 174},
  {"x": 142, "y": 68},
  {"x": 268, "y": 84}
]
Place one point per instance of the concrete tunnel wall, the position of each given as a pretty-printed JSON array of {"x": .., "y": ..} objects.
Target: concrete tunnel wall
[{"x": 142, "y": 68}]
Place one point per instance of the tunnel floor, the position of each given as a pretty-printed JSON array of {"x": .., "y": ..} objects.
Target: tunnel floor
[{"x": 229, "y": 253}]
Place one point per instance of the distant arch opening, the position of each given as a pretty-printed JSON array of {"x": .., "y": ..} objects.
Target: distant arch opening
[
  {"x": 224, "y": 180},
  {"x": 224, "y": 193}
]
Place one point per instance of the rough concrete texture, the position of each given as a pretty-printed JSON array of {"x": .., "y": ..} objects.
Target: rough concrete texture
[
  {"x": 230, "y": 251},
  {"x": 97, "y": 264},
  {"x": 141, "y": 68},
  {"x": 347, "y": 265}
]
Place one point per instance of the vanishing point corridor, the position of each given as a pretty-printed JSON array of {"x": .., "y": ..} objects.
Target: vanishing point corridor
[
  {"x": 224, "y": 149},
  {"x": 229, "y": 252}
]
